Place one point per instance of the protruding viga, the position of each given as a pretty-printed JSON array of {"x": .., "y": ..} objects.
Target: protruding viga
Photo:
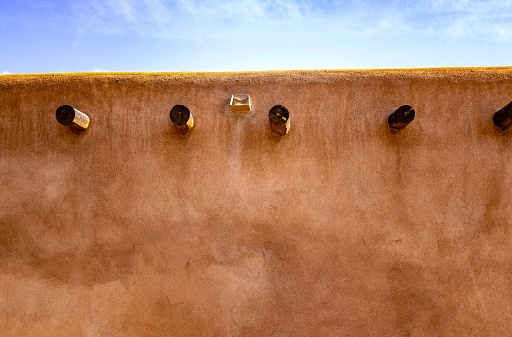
[
  {"x": 503, "y": 118},
  {"x": 279, "y": 118},
  {"x": 73, "y": 118},
  {"x": 182, "y": 118},
  {"x": 401, "y": 117}
]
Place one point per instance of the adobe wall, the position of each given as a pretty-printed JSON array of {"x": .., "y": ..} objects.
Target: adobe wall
[{"x": 342, "y": 228}]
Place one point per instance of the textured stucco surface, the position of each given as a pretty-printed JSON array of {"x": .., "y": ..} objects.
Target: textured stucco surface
[{"x": 342, "y": 228}]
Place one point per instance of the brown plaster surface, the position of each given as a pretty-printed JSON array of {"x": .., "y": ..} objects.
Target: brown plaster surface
[{"x": 341, "y": 228}]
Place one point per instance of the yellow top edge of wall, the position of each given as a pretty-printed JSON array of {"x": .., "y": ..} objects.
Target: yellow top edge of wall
[{"x": 341, "y": 72}]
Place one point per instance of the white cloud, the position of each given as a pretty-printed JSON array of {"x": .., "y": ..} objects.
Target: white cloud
[
  {"x": 184, "y": 18},
  {"x": 232, "y": 19},
  {"x": 468, "y": 6},
  {"x": 461, "y": 19},
  {"x": 5, "y": 72},
  {"x": 503, "y": 32}
]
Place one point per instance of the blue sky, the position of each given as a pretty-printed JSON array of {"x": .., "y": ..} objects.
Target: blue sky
[{"x": 42, "y": 36}]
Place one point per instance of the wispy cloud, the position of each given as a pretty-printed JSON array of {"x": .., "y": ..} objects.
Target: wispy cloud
[
  {"x": 462, "y": 19},
  {"x": 5, "y": 72},
  {"x": 204, "y": 19},
  {"x": 480, "y": 6},
  {"x": 185, "y": 18}
]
